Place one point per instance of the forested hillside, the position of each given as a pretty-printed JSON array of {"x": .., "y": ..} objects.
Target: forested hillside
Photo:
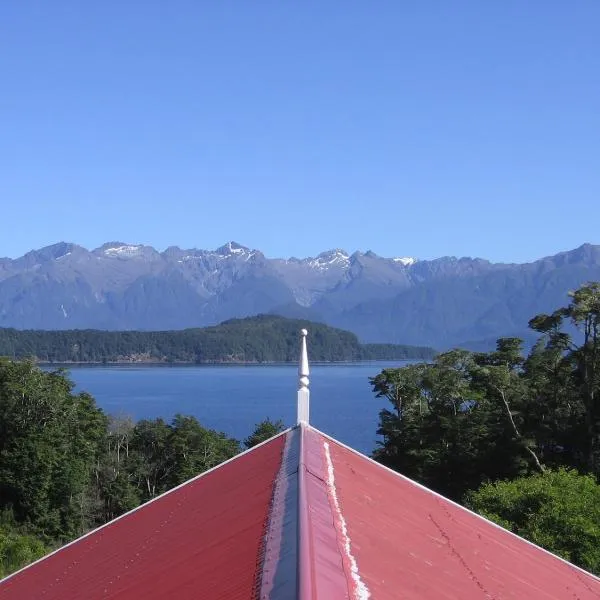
[{"x": 265, "y": 338}]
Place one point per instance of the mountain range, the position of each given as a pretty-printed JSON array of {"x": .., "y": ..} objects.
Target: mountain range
[{"x": 443, "y": 302}]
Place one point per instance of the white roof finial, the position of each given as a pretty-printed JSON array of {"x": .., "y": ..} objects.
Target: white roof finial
[{"x": 303, "y": 381}]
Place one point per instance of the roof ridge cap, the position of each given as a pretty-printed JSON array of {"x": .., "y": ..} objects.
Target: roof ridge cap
[{"x": 304, "y": 558}]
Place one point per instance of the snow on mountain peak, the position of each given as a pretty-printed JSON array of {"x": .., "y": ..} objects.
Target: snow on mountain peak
[
  {"x": 336, "y": 257},
  {"x": 232, "y": 249},
  {"x": 405, "y": 260},
  {"x": 122, "y": 250}
]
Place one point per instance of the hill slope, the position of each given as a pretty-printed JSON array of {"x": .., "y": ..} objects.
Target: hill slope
[{"x": 265, "y": 338}]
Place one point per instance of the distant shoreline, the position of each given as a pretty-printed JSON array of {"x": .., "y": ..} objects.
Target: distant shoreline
[{"x": 219, "y": 363}]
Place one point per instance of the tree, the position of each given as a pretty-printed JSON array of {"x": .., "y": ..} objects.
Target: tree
[
  {"x": 115, "y": 489},
  {"x": 151, "y": 460},
  {"x": 49, "y": 441},
  {"x": 555, "y": 412},
  {"x": 580, "y": 355},
  {"x": 498, "y": 375},
  {"x": 400, "y": 427},
  {"x": 263, "y": 431},
  {"x": 558, "y": 510},
  {"x": 163, "y": 455},
  {"x": 445, "y": 430},
  {"x": 195, "y": 449},
  {"x": 460, "y": 420}
]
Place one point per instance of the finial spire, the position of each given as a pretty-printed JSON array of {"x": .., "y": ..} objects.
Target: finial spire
[{"x": 303, "y": 381}]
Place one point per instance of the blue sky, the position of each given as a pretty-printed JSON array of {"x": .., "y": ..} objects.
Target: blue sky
[{"x": 408, "y": 128}]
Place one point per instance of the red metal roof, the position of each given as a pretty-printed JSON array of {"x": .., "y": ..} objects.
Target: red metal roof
[
  {"x": 411, "y": 543},
  {"x": 301, "y": 516},
  {"x": 201, "y": 540}
]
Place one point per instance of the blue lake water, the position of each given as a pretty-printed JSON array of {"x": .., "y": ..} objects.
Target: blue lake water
[{"x": 233, "y": 399}]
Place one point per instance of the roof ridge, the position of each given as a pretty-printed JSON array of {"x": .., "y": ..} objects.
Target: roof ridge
[
  {"x": 304, "y": 536},
  {"x": 305, "y": 558}
]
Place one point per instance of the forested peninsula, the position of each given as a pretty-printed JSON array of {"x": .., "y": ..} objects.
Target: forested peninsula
[{"x": 260, "y": 339}]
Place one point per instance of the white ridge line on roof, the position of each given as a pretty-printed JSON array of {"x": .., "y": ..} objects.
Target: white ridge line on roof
[
  {"x": 464, "y": 508},
  {"x": 361, "y": 591},
  {"x": 145, "y": 504}
]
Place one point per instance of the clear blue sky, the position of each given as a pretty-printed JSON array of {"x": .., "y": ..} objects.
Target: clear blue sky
[{"x": 409, "y": 128}]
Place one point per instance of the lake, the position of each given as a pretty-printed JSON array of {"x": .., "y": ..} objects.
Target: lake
[{"x": 234, "y": 398}]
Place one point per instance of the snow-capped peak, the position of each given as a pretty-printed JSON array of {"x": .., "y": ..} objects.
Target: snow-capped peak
[
  {"x": 232, "y": 249},
  {"x": 122, "y": 250},
  {"x": 331, "y": 258},
  {"x": 405, "y": 260}
]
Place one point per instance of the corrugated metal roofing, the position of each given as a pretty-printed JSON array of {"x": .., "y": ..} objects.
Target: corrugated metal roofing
[
  {"x": 301, "y": 516},
  {"x": 203, "y": 539},
  {"x": 408, "y": 542}
]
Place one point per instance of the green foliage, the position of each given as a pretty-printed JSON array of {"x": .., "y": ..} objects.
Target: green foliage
[
  {"x": 18, "y": 550},
  {"x": 264, "y": 338},
  {"x": 443, "y": 430},
  {"x": 49, "y": 440},
  {"x": 574, "y": 361},
  {"x": 559, "y": 510},
  {"x": 263, "y": 431}
]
